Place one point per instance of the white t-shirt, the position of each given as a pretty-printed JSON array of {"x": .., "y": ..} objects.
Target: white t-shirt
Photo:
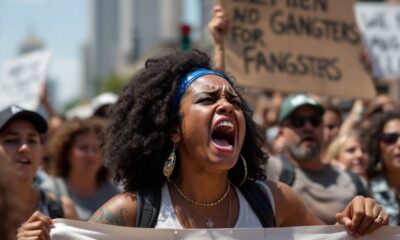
[{"x": 247, "y": 218}]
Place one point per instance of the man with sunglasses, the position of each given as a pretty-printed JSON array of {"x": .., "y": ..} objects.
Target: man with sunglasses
[{"x": 325, "y": 189}]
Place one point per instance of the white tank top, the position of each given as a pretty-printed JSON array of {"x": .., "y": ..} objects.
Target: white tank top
[{"x": 246, "y": 219}]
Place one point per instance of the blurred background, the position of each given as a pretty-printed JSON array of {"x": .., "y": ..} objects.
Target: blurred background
[{"x": 97, "y": 45}]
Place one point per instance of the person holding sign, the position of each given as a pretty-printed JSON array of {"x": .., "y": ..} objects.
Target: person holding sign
[
  {"x": 181, "y": 140},
  {"x": 273, "y": 45}
]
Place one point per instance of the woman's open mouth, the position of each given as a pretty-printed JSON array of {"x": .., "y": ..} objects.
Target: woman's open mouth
[
  {"x": 223, "y": 136},
  {"x": 24, "y": 161}
]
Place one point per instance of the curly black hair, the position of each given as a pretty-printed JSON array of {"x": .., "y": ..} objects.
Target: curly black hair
[
  {"x": 373, "y": 135},
  {"x": 137, "y": 138}
]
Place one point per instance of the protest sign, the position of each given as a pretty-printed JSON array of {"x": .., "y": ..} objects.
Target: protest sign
[
  {"x": 77, "y": 230},
  {"x": 379, "y": 24},
  {"x": 21, "y": 80},
  {"x": 296, "y": 45}
]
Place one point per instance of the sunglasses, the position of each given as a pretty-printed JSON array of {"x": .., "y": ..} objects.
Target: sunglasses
[
  {"x": 390, "y": 138},
  {"x": 298, "y": 121}
]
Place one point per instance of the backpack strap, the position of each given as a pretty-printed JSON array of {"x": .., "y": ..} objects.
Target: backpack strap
[
  {"x": 148, "y": 207},
  {"x": 149, "y": 203},
  {"x": 53, "y": 203},
  {"x": 288, "y": 174},
  {"x": 360, "y": 188},
  {"x": 259, "y": 201}
]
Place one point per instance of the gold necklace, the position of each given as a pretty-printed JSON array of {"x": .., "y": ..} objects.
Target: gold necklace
[
  {"x": 210, "y": 222},
  {"x": 204, "y": 204}
]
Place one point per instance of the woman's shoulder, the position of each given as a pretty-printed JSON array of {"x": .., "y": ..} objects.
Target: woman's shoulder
[
  {"x": 119, "y": 210},
  {"x": 289, "y": 205}
]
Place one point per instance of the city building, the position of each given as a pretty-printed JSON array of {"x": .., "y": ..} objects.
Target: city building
[{"x": 122, "y": 31}]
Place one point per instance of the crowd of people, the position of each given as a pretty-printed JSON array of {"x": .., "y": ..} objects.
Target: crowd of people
[{"x": 182, "y": 138}]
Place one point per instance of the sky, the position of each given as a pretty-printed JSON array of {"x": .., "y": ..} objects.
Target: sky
[{"x": 63, "y": 27}]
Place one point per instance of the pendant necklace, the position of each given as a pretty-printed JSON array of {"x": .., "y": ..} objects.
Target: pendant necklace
[{"x": 210, "y": 222}]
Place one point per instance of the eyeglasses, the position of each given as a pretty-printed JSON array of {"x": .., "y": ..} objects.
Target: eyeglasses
[
  {"x": 298, "y": 121},
  {"x": 390, "y": 138}
]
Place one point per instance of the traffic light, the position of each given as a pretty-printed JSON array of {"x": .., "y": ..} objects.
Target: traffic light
[{"x": 185, "y": 38}]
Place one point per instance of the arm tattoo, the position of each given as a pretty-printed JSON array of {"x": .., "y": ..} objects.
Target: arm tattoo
[{"x": 109, "y": 217}]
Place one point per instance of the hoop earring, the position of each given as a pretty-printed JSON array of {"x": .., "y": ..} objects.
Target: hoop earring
[
  {"x": 170, "y": 164},
  {"x": 245, "y": 170}
]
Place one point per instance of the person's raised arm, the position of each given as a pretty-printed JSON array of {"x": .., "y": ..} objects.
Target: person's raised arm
[
  {"x": 354, "y": 118},
  {"x": 54, "y": 119},
  {"x": 218, "y": 27}
]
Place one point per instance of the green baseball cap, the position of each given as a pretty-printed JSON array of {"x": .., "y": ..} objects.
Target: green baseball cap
[{"x": 293, "y": 102}]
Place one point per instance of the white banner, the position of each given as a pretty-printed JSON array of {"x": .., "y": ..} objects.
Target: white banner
[
  {"x": 379, "y": 24},
  {"x": 71, "y": 229},
  {"x": 21, "y": 79}
]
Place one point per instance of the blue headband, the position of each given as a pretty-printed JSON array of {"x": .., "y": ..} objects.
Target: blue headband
[{"x": 189, "y": 78}]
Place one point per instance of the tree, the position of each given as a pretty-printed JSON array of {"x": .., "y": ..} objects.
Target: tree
[{"x": 112, "y": 83}]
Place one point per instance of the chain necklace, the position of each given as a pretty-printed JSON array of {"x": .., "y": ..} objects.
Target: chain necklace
[
  {"x": 204, "y": 204},
  {"x": 210, "y": 222}
]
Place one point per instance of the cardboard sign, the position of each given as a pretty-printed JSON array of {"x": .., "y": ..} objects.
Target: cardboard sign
[
  {"x": 379, "y": 24},
  {"x": 21, "y": 80},
  {"x": 296, "y": 46},
  {"x": 77, "y": 230}
]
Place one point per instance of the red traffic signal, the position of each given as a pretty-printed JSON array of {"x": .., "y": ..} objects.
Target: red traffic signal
[
  {"x": 185, "y": 37},
  {"x": 185, "y": 29}
]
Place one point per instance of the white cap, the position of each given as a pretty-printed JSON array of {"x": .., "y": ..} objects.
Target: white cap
[
  {"x": 81, "y": 111},
  {"x": 103, "y": 99}
]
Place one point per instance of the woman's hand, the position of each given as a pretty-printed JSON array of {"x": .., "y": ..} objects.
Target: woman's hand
[
  {"x": 362, "y": 215},
  {"x": 37, "y": 227}
]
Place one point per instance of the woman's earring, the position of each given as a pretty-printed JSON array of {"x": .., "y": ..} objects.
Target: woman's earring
[
  {"x": 378, "y": 166},
  {"x": 170, "y": 164},
  {"x": 245, "y": 170}
]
